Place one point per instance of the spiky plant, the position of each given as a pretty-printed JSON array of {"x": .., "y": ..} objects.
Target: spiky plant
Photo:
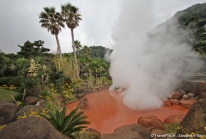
[{"x": 68, "y": 124}]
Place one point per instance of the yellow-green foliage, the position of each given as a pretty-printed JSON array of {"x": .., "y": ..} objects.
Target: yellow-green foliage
[
  {"x": 6, "y": 95},
  {"x": 11, "y": 87},
  {"x": 172, "y": 127},
  {"x": 34, "y": 112},
  {"x": 65, "y": 65},
  {"x": 1, "y": 127},
  {"x": 32, "y": 71}
]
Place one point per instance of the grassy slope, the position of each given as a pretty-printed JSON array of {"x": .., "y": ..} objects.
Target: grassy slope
[{"x": 6, "y": 95}]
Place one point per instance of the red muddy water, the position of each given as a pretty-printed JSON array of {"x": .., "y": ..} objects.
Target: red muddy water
[{"x": 107, "y": 112}]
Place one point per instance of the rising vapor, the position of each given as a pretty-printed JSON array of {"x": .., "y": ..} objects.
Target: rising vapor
[{"x": 148, "y": 62}]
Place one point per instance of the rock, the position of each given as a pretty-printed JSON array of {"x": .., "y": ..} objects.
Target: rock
[
  {"x": 162, "y": 134},
  {"x": 203, "y": 94},
  {"x": 185, "y": 97},
  {"x": 31, "y": 100},
  {"x": 191, "y": 94},
  {"x": 176, "y": 95},
  {"x": 174, "y": 119},
  {"x": 83, "y": 104},
  {"x": 42, "y": 102},
  {"x": 7, "y": 112},
  {"x": 27, "y": 108},
  {"x": 188, "y": 86},
  {"x": 151, "y": 122},
  {"x": 31, "y": 128},
  {"x": 201, "y": 86},
  {"x": 93, "y": 130},
  {"x": 80, "y": 95},
  {"x": 167, "y": 103},
  {"x": 187, "y": 103},
  {"x": 133, "y": 131},
  {"x": 174, "y": 101},
  {"x": 182, "y": 92},
  {"x": 194, "y": 120}
]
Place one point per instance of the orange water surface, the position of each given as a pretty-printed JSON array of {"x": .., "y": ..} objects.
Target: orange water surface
[{"x": 107, "y": 112}]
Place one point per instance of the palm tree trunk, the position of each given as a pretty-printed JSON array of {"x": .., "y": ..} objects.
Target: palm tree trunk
[
  {"x": 58, "y": 46},
  {"x": 74, "y": 51}
]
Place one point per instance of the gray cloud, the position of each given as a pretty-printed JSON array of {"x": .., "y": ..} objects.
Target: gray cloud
[{"x": 20, "y": 22}]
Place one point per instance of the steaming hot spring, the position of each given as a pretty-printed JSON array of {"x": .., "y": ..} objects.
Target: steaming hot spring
[{"x": 107, "y": 112}]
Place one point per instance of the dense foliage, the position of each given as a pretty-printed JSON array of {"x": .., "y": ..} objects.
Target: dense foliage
[{"x": 193, "y": 19}]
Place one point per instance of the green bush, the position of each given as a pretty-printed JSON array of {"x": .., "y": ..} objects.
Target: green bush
[
  {"x": 6, "y": 95},
  {"x": 16, "y": 81},
  {"x": 5, "y": 80},
  {"x": 68, "y": 124},
  {"x": 172, "y": 127}
]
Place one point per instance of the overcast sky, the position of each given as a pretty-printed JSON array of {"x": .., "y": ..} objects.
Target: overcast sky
[{"x": 19, "y": 21}]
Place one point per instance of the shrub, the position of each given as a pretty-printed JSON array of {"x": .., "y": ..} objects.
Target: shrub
[
  {"x": 68, "y": 124},
  {"x": 16, "y": 81},
  {"x": 172, "y": 127},
  {"x": 5, "y": 80}
]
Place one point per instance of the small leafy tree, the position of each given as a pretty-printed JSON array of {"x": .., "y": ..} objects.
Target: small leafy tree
[{"x": 68, "y": 124}]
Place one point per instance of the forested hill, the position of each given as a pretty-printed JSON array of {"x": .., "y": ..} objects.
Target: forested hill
[
  {"x": 95, "y": 51},
  {"x": 192, "y": 20}
]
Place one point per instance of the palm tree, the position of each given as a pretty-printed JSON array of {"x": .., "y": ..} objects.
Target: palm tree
[
  {"x": 86, "y": 51},
  {"x": 72, "y": 17},
  {"x": 77, "y": 45},
  {"x": 52, "y": 21}
]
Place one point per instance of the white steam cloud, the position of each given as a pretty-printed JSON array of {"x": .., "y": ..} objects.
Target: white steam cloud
[{"x": 146, "y": 63}]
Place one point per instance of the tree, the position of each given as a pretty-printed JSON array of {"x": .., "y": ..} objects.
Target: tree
[
  {"x": 86, "y": 51},
  {"x": 52, "y": 21},
  {"x": 77, "y": 45},
  {"x": 32, "y": 49},
  {"x": 71, "y": 17}
]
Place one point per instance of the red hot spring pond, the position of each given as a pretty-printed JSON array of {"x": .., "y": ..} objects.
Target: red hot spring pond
[{"x": 107, "y": 112}]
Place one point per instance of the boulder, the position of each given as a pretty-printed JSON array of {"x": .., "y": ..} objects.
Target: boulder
[
  {"x": 182, "y": 92},
  {"x": 83, "y": 104},
  {"x": 191, "y": 95},
  {"x": 201, "y": 86},
  {"x": 188, "y": 86},
  {"x": 174, "y": 119},
  {"x": 151, "y": 122},
  {"x": 174, "y": 101},
  {"x": 133, "y": 131},
  {"x": 80, "y": 95},
  {"x": 185, "y": 97},
  {"x": 93, "y": 130},
  {"x": 167, "y": 103},
  {"x": 7, "y": 112},
  {"x": 187, "y": 103},
  {"x": 203, "y": 94},
  {"x": 176, "y": 95},
  {"x": 27, "y": 108},
  {"x": 31, "y": 128},
  {"x": 194, "y": 120},
  {"x": 30, "y": 100},
  {"x": 159, "y": 134},
  {"x": 42, "y": 102}
]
